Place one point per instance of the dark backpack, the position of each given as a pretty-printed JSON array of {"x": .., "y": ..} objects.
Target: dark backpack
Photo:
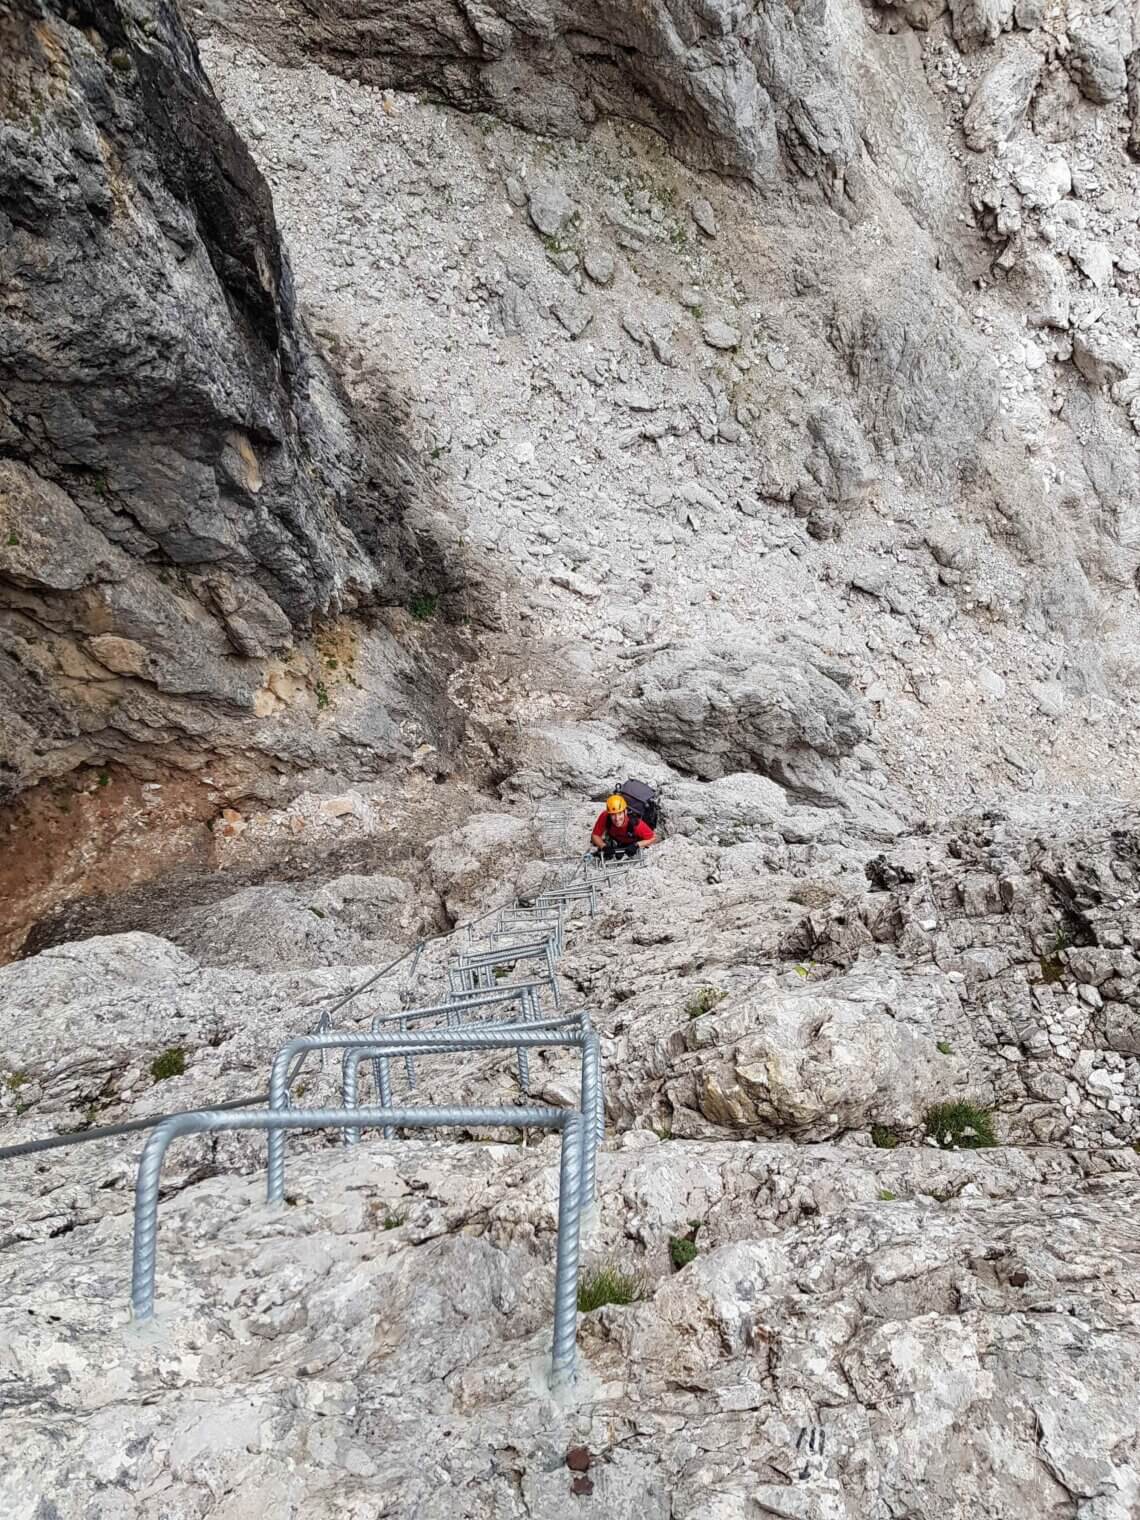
[{"x": 642, "y": 800}]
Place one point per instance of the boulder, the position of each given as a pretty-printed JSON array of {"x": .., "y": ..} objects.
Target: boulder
[
  {"x": 1002, "y": 98},
  {"x": 841, "y": 463},
  {"x": 1039, "y": 280},
  {"x": 1095, "y": 63},
  {"x": 550, "y": 207},
  {"x": 977, "y": 22},
  {"x": 713, "y": 709},
  {"x": 1102, "y": 355},
  {"x": 471, "y": 867},
  {"x": 816, "y": 1062}
]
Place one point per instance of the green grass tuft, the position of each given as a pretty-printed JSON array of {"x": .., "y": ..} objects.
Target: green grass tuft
[
  {"x": 886, "y": 1196},
  {"x": 394, "y": 1220},
  {"x": 171, "y": 1063},
  {"x": 422, "y": 607},
  {"x": 682, "y": 1250},
  {"x": 962, "y": 1126},
  {"x": 704, "y": 1002},
  {"x": 322, "y": 692},
  {"x": 944, "y": 1048},
  {"x": 884, "y": 1137},
  {"x": 608, "y": 1284}
]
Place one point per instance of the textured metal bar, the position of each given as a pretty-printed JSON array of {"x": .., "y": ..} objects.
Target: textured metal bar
[
  {"x": 385, "y": 1094},
  {"x": 446, "y": 1009},
  {"x": 569, "y": 895},
  {"x": 552, "y": 975},
  {"x": 564, "y": 1353},
  {"x": 589, "y": 1107},
  {"x": 564, "y": 1350},
  {"x": 409, "y": 1061},
  {"x": 474, "y": 973},
  {"x": 467, "y": 1038},
  {"x": 496, "y": 994},
  {"x": 349, "y": 1073},
  {"x": 578, "y": 1023},
  {"x": 521, "y": 918},
  {"x": 502, "y": 997},
  {"x": 506, "y": 956}
]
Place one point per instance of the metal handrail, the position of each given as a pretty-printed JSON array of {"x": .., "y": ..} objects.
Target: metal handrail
[
  {"x": 523, "y": 993},
  {"x": 450, "y": 1040},
  {"x": 471, "y": 968},
  {"x": 591, "y": 1100},
  {"x": 582, "y": 1132},
  {"x": 568, "y": 1122}
]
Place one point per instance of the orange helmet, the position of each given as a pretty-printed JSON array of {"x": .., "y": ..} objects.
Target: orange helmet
[{"x": 616, "y": 804}]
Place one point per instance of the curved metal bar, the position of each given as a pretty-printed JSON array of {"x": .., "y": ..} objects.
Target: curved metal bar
[
  {"x": 591, "y": 1100},
  {"x": 394, "y": 1044},
  {"x": 571, "y": 1125}
]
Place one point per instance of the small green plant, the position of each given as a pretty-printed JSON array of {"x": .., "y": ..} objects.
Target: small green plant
[
  {"x": 945, "y": 1048},
  {"x": 330, "y": 662},
  {"x": 13, "y": 538},
  {"x": 395, "y": 1218},
  {"x": 884, "y": 1137},
  {"x": 316, "y": 912},
  {"x": 104, "y": 778},
  {"x": 886, "y": 1196},
  {"x": 698, "y": 312},
  {"x": 704, "y": 1001},
  {"x": 804, "y": 970},
  {"x": 322, "y": 692},
  {"x": 171, "y": 1063},
  {"x": 608, "y": 1284},
  {"x": 960, "y": 1126},
  {"x": 423, "y": 607},
  {"x": 682, "y": 1250},
  {"x": 554, "y": 244},
  {"x": 15, "y": 1080}
]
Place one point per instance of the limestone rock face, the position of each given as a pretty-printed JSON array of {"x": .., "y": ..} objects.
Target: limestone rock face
[
  {"x": 709, "y": 711},
  {"x": 402, "y": 1287},
  {"x": 745, "y": 90},
  {"x": 180, "y": 478}
]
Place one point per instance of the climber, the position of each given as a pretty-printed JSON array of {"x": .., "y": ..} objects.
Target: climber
[{"x": 616, "y": 834}]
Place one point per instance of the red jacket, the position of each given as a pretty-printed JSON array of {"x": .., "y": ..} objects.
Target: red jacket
[{"x": 634, "y": 829}]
